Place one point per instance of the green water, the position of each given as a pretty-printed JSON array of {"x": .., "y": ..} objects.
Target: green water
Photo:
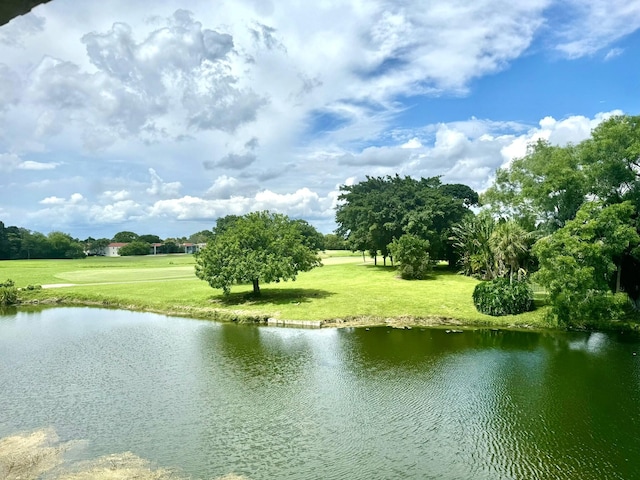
[{"x": 207, "y": 399}]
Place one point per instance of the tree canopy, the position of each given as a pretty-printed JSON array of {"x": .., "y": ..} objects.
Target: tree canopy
[
  {"x": 584, "y": 201},
  {"x": 260, "y": 247},
  {"x": 125, "y": 237},
  {"x": 375, "y": 212}
]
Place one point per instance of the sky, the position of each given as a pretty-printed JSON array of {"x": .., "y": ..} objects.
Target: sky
[{"x": 159, "y": 116}]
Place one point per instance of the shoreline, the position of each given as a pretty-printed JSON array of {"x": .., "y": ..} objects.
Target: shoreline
[{"x": 198, "y": 313}]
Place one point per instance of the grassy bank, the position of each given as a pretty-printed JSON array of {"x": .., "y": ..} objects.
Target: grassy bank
[{"x": 344, "y": 289}]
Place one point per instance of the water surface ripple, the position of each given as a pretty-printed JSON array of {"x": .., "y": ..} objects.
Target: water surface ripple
[{"x": 208, "y": 399}]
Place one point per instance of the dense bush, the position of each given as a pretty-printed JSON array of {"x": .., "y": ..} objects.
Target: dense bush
[
  {"x": 413, "y": 254},
  {"x": 501, "y": 297},
  {"x": 8, "y": 293}
]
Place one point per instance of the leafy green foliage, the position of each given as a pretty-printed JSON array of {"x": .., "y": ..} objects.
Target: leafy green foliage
[
  {"x": 125, "y": 237},
  {"x": 311, "y": 237},
  {"x": 510, "y": 244},
  {"x": 578, "y": 262},
  {"x": 149, "y": 238},
  {"x": 611, "y": 160},
  {"x": 202, "y": 236},
  {"x": 470, "y": 238},
  {"x": 499, "y": 297},
  {"x": 413, "y": 255},
  {"x": 135, "y": 248},
  {"x": 258, "y": 247},
  {"x": 546, "y": 186},
  {"x": 334, "y": 242},
  {"x": 375, "y": 212},
  {"x": 8, "y": 293}
]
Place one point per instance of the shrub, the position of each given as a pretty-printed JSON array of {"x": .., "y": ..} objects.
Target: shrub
[
  {"x": 500, "y": 297},
  {"x": 8, "y": 293},
  {"x": 413, "y": 254}
]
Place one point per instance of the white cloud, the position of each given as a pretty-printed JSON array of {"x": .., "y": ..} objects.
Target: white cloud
[
  {"x": 247, "y": 104},
  {"x": 160, "y": 188},
  {"x": 31, "y": 165},
  {"x": 53, "y": 201},
  {"x": 412, "y": 143},
  {"x": 11, "y": 161},
  {"x": 613, "y": 53},
  {"x": 223, "y": 187},
  {"x": 596, "y": 24}
]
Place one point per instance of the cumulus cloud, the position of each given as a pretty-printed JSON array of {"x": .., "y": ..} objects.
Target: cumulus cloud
[
  {"x": 223, "y": 187},
  {"x": 20, "y": 27},
  {"x": 267, "y": 105},
  {"x": 139, "y": 87},
  {"x": 160, "y": 188},
  {"x": 301, "y": 203}
]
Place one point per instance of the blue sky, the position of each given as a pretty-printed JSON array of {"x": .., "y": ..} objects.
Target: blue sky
[{"x": 161, "y": 116}]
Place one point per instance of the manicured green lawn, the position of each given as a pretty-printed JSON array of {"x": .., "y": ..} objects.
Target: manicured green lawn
[{"x": 345, "y": 288}]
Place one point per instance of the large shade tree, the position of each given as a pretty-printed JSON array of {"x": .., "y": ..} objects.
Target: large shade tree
[
  {"x": 260, "y": 247},
  {"x": 375, "y": 212}
]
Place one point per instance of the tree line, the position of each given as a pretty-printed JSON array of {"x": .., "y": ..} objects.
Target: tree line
[
  {"x": 564, "y": 217},
  {"x": 18, "y": 243}
]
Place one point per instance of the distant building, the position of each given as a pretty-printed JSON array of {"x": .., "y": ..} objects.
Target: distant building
[
  {"x": 113, "y": 249},
  {"x": 193, "y": 247}
]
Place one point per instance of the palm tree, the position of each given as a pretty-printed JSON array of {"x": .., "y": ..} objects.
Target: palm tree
[
  {"x": 471, "y": 239},
  {"x": 509, "y": 243}
]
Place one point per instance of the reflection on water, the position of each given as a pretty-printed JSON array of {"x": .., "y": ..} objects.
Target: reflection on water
[{"x": 209, "y": 399}]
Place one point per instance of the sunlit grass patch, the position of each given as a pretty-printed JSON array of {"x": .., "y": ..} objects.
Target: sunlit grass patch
[{"x": 345, "y": 289}]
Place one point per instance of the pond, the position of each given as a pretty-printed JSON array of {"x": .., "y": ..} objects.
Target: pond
[{"x": 206, "y": 399}]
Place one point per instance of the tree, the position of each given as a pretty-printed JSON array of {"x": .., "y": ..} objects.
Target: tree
[
  {"x": 334, "y": 242},
  {"x": 413, "y": 255},
  {"x": 125, "y": 237},
  {"x": 201, "y": 237},
  {"x": 509, "y": 243},
  {"x": 470, "y": 238},
  {"x": 372, "y": 213},
  {"x": 611, "y": 160},
  {"x": 62, "y": 245},
  {"x": 170, "y": 246},
  {"x": 97, "y": 247},
  {"x": 547, "y": 186},
  {"x": 257, "y": 247},
  {"x": 34, "y": 245},
  {"x": 312, "y": 238},
  {"x": 579, "y": 263},
  {"x": 135, "y": 248},
  {"x": 150, "y": 238}
]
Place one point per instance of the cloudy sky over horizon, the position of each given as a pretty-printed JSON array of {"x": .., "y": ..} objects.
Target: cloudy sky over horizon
[{"x": 161, "y": 116}]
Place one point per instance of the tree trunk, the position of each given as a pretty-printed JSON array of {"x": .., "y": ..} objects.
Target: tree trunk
[
  {"x": 256, "y": 287},
  {"x": 618, "y": 277}
]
